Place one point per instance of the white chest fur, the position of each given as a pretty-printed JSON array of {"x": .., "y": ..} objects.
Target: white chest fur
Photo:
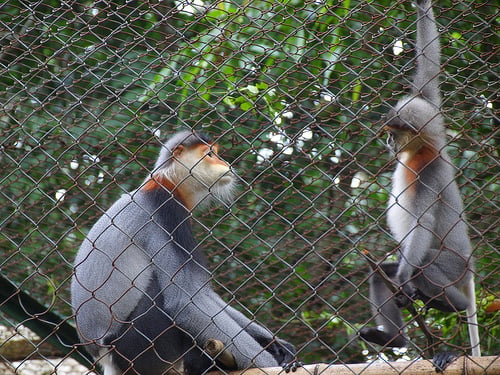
[{"x": 399, "y": 216}]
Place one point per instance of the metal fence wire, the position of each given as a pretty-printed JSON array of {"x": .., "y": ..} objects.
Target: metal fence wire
[{"x": 294, "y": 92}]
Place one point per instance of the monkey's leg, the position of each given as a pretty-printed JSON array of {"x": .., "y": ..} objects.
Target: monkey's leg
[
  {"x": 197, "y": 362},
  {"x": 150, "y": 343},
  {"x": 440, "y": 285},
  {"x": 442, "y": 359},
  {"x": 440, "y": 282},
  {"x": 387, "y": 313},
  {"x": 136, "y": 351}
]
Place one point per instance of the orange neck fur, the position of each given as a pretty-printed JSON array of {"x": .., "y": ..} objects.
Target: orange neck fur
[
  {"x": 418, "y": 161},
  {"x": 158, "y": 181}
]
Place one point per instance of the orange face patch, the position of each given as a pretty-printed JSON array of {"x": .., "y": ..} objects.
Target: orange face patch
[{"x": 209, "y": 154}]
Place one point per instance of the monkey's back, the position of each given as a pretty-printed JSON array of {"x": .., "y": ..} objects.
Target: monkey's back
[{"x": 111, "y": 270}]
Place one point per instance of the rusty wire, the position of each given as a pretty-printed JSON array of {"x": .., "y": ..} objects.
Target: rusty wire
[{"x": 294, "y": 92}]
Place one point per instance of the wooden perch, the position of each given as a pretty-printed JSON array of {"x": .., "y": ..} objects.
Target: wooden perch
[
  {"x": 462, "y": 365},
  {"x": 215, "y": 349}
]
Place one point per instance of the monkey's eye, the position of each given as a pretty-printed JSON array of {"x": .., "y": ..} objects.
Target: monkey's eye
[{"x": 211, "y": 152}]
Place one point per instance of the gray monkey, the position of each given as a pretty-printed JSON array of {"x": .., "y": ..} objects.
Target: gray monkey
[
  {"x": 141, "y": 290},
  {"x": 425, "y": 211}
]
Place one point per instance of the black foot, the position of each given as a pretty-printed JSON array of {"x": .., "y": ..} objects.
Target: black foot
[
  {"x": 292, "y": 366},
  {"x": 382, "y": 338},
  {"x": 442, "y": 360},
  {"x": 284, "y": 353}
]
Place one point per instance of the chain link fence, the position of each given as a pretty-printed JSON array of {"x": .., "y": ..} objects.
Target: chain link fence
[{"x": 294, "y": 92}]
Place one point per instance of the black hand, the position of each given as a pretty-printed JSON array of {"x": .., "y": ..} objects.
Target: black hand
[{"x": 442, "y": 360}]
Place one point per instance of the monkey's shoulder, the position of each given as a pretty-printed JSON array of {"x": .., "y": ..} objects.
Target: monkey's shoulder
[{"x": 128, "y": 211}]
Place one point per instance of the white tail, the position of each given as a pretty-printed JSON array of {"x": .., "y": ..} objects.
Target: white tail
[{"x": 472, "y": 319}]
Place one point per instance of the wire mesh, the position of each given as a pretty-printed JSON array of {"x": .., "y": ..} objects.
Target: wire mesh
[{"x": 294, "y": 92}]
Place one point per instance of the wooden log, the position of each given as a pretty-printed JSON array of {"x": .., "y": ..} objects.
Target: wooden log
[
  {"x": 462, "y": 365},
  {"x": 20, "y": 349}
]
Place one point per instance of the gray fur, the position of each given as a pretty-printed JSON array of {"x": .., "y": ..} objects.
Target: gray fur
[
  {"x": 428, "y": 53},
  {"x": 186, "y": 138},
  {"x": 141, "y": 291},
  {"x": 425, "y": 215}
]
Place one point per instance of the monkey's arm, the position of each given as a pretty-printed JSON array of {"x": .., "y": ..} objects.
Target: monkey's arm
[
  {"x": 110, "y": 272},
  {"x": 282, "y": 351},
  {"x": 410, "y": 262},
  {"x": 428, "y": 54},
  {"x": 197, "y": 311}
]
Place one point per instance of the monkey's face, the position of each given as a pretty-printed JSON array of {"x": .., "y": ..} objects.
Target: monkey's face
[
  {"x": 207, "y": 167},
  {"x": 411, "y": 123},
  {"x": 400, "y": 133},
  {"x": 401, "y": 139},
  {"x": 197, "y": 174},
  {"x": 199, "y": 168}
]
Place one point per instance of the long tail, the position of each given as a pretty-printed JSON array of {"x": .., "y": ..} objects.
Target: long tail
[{"x": 472, "y": 319}]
